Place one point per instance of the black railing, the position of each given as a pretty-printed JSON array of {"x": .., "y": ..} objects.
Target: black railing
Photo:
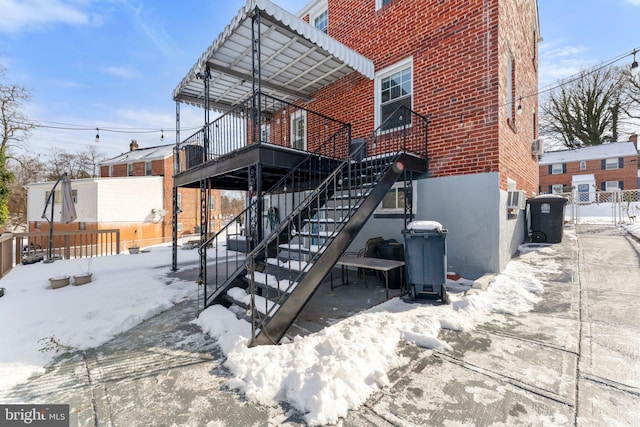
[
  {"x": 348, "y": 186},
  {"x": 280, "y": 123}
]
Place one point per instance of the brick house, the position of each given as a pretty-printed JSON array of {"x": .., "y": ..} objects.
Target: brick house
[
  {"x": 606, "y": 167},
  {"x": 133, "y": 194},
  {"x": 418, "y": 110},
  {"x": 159, "y": 161}
]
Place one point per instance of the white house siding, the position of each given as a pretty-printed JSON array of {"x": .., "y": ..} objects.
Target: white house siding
[
  {"x": 113, "y": 200},
  {"x": 128, "y": 199}
]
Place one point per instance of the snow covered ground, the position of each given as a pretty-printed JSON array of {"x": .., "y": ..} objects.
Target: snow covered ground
[{"x": 323, "y": 374}]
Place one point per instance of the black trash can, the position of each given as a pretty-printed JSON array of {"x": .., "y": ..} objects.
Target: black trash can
[
  {"x": 391, "y": 249},
  {"x": 545, "y": 216},
  {"x": 426, "y": 259}
]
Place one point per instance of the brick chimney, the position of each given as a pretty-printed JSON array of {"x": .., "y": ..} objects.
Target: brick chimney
[{"x": 133, "y": 145}]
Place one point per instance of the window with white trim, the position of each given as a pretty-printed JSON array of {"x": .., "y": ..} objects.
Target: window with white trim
[
  {"x": 380, "y": 3},
  {"x": 557, "y": 188},
  {"x": 148, "y": 168},
  {"x": 394, "y": 88},
  {"x": 179, "y": 200},
  {"x": 265, "y": 133},
  {"x": 129, "y": 169},
  {"x": 394, "y": 199},
  {"x": 557, "y": 169},
  {"x": 611, "y": 186},
  {"x": 611, "y": 163},
  {"x": 583, "y": 165},
  {"x": 299, "y": 130},
  {"x": 179, "y": 227},
  {"x": 321, "y": 21}
]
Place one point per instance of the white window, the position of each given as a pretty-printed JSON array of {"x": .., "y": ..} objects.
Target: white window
[
  {"x": 611, "y": 164},
  {"x": 321, "y": 21},
  {"x": 265, "y": 133},
  {"x": 557, "y": 169},
  {"x": 130, "y": 169},
  {"x": 380, "y": 3},
  {"x": 212, "y": 203},
  {"x": 611, "y": 185},
  {"x": 557, "y": 188},
  {"x": 299, "y": 130},
  {"x": 583, "y": 165},
  {"x": 147, "y": 168},
  {"x": 394, "y": 200},
  {"x": 179, "y": 200},
  {"x": 394, "y": 88},
  {"x": 110, "y": 170},
  {"x": 58, "y": 196},
  {"x": 179, "y": 227}
]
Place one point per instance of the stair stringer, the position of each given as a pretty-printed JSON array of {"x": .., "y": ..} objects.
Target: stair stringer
[{"x": 277, "y": 325}]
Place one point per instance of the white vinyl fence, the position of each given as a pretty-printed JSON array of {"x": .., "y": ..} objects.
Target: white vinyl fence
[{"x": 603, "y": 207}]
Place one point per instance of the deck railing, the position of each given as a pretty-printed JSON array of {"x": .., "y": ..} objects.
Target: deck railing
[
  {"x": 278, "y": 122},
  {"x": 67, "y": 244}
]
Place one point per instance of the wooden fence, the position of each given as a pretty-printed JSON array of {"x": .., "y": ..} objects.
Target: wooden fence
[{"x": 65, "y": 244}]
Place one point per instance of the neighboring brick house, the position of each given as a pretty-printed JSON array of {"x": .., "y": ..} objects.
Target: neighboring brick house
[
  {"x": 470, "y": 67},
  {"x": 133, "y": 194},
  {"x": 159, "y": 161},
  {"x": 605, "y": 167}
]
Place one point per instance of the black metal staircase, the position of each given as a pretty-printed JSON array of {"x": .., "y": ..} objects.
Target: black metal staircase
[{"x": 311, "y": 216}]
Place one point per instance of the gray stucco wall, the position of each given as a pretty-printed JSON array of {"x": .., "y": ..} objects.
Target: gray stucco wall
[{"x": 481, "y": 238}]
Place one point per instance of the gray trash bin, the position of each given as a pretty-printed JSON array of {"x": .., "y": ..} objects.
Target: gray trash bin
[
  {"x": 546, "y": 218},
  {"x": 425, "y": 251}
]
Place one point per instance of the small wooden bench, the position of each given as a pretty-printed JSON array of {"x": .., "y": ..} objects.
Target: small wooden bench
[{"x": 378, "y": 264}]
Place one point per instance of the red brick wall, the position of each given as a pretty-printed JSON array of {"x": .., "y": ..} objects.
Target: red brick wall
[
  {"x": 457, "y": 49},
  {"x": 628, "y": 174}
]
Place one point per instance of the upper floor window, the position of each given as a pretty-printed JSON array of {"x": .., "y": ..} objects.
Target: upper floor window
[
  {"x": 583, "y": 165},
  {"x": 265, "y": 133},
  {"x": 147, "y": 168},
  {"x": 613, "y": 163},
  {"x": 394, "y": 88},
  {"x": 557, "y": 169},
  {"x": 321, "y": 21},
  {"x": 380, "y": 3}
]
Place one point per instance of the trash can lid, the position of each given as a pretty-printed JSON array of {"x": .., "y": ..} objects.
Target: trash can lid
[
  {"x": 424, "y": 226},
  {"x": 549, "y": 198}
]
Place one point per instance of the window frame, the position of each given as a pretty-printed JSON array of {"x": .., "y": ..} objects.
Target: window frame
[
  {"x": 609, "y": 162},
  {"x": 294, "y": 117},
  {"x": 381, "y": 3},
  {"x": 583, "y": 165},
  {"x": 317, "y": 14},
  {"x": 400, "y": 66},
  {"x": 554, "y": 188},
  {"x": 607, "y": 186},
  {"x": 148, "y": 168},
  {"x": 129, "y": 169},
  {"x": 399, "y": 203},
  {"x": 554, "y": 170}
]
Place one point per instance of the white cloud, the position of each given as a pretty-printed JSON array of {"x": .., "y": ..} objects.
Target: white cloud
[
  {"x": 558, "y": 61},
  {"x": 33, "y": 15},
  {"x": 124, "y": 72},
  {"x": 634, "y": 2}
]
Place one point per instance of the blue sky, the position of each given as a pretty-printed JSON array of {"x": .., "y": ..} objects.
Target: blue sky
[{"x": 113, "y": 64}]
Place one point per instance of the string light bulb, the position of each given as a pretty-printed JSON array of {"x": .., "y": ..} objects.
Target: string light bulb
[
  {"x": 519, "y": 109},
  {"x": 634, "y": 64},
  {"x": 97, "y": 135},
  {"x": 161, "y": 135}
]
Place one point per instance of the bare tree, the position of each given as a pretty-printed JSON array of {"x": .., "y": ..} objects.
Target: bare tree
[
  {"x": 586, "y": 110},
  {"x": 14, "y": 129},
  {"x": 25, "y": 170}
]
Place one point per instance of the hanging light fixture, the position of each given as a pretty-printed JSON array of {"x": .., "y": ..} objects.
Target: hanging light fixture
[
  {"x": 161, "y": 135},
  {"x": 634, "y": 64},
  {"x": 519, "y": 109},
  {"x": 97, "y": 135}
]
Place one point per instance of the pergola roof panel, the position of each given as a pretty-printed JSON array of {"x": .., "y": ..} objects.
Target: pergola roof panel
[{"x": 296, "y": 59}]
